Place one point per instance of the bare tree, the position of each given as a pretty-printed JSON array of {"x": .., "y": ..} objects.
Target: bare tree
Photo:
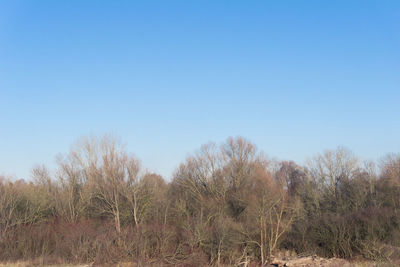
[
  {"x": 73, "y": 195},
  {"x": 111, "y": 175},
  {"x": 331, "y": 168},
  {"x": 10, "y": 197},
  {"x": 270, "y": 213}
]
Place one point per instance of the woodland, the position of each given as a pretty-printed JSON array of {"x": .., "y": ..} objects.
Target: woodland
[{"x": 225, "y": 205}]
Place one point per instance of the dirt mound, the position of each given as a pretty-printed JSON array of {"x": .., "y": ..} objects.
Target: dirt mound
[{"x": 314, "y": 261}]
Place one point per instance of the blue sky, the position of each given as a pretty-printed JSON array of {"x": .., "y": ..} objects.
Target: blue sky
[{"x": 294, "y": 77}]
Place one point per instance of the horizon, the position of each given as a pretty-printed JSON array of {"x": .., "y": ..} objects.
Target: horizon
[
  {"x": 293, "y": 78},
  {"x": 53, "y": 167}
]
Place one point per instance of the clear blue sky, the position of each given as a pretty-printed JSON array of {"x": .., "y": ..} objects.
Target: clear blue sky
[{"x": 294, "y": 77}]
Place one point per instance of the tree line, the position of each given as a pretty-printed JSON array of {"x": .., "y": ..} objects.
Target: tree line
[{"x": 226, "y": 204}]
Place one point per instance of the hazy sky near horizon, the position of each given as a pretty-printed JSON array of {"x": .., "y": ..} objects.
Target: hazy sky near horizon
[{"x": 294, "y": 77}]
